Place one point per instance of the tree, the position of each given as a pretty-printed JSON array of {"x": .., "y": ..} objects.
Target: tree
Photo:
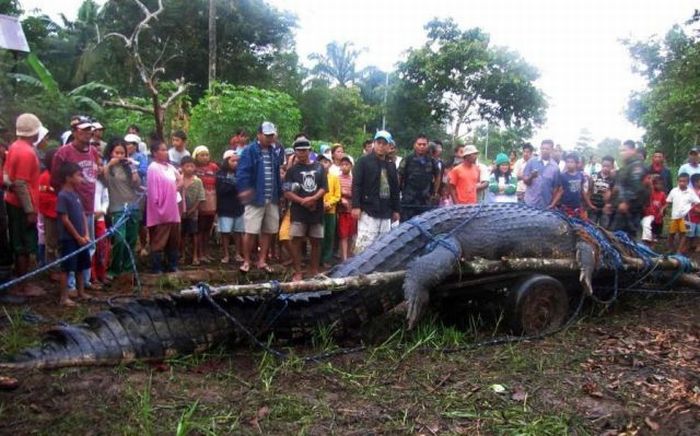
[
  {"x": 583, "y": 145},
  {"x": 609, "y": 147},
  {"x": 226, "y": 107},
  {"x": 337, "y": 66},
  {"x": 500, "y": 140},
  {"x": 464, "y": 80},
  {"x": 148, "y": 74},
  {"x": 669, "y": 109}
]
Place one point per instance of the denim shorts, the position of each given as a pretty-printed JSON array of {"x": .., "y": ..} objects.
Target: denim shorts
[{"x": 228, "y": 224}]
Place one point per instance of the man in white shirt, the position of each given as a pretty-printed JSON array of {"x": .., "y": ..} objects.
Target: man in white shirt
[{"x": 518, "y": 170}]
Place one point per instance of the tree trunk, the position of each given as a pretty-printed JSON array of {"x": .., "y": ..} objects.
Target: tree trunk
[{"x": 212, "y": 42}]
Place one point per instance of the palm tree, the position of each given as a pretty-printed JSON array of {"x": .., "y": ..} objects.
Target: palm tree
[{"x": 338, "y": 64}]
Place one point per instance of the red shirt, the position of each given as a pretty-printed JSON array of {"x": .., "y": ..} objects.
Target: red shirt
[
  {"x": 47, "y": 196},
  {"x": 88, "y": 160},
  {"x": 656, "y": 202},
  {"x": 207, "y": 173},
  {"x": 22, "y": 164}
]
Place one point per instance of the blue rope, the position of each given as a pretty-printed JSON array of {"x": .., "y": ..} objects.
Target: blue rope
[{"x": 110, "y": 232}]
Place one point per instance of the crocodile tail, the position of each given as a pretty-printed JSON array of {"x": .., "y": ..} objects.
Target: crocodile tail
[{"x": 138, "y": 330}]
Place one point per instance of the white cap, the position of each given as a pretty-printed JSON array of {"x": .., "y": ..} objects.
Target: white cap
[
  {"x": 267, "y": 128},
  {"x": 132, "y": 138},
  {"x": 43, "y": 131}
]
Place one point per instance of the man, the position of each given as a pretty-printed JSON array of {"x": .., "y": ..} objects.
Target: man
[
  {"x": 602, "y": 184},
  {"x": 419, "y": 180},
  {"x": 97, "y": 132},
  {"x": 557, "y": 154},
  {"x": 304, "y": 187},
  {"x": 178, "y": 150},
  {"x": 465, "y": 178},
  {"x": 518, "y": 169},
  {"x": 79, "y": 151},
  {"x": 692, "y": 166},
  {"x": 260, "y": 189},
  {"x": 658, "y": 167},
  {"x": 436, "y": 152},
  {"x": 21, "y": 176},
  {"x": 393, "y": 155},
  {"x": 375, "y": 192},
  {"x": 367, "y": 147},
  {"x": 541, "y": 176},
  {"x": 630, "y": 193}
]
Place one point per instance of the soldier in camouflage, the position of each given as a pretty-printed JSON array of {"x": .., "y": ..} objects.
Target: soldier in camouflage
[
  {"x": 631, "y": 193},
  {"x": 419, "y": 178}
]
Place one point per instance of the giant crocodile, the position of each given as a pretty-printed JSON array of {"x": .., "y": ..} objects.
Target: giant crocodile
[{"x": 429, "y": 247}]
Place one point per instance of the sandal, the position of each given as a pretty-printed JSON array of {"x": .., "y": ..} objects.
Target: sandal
[
  {"x": 244, "y": 268},
  {"x": 265, "y": 267}
]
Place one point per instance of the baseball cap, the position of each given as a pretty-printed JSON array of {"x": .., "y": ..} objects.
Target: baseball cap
[
  {"x": 97, "y": 126},
  {"x": 82, "y": 123},
  {"x": 228, "y": 153},
  {"x": 695, "y": 149},
  {"x": 288, "y": 151},
  {"x": 348, "y": 158},
  {"x": 324, "y": 148},
  {"x": 301, "y": 143},
  {"x": 267, "y": 128},
  {"x": 383, "y": 134},
  {"x": 132, "y": 138},
  {"x": 470, "y": 149}
]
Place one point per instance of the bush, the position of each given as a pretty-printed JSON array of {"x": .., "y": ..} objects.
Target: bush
[{"x": 225, "y": 108}]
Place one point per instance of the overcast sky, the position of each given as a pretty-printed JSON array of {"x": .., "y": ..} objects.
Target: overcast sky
[{"x": 585, "y": 71}]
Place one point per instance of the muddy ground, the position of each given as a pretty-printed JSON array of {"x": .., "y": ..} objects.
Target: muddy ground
[{"x": 634, "y": 369}]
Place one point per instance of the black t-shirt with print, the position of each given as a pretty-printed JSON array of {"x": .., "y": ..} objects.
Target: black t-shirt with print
[{"x": 305, "y": 180}]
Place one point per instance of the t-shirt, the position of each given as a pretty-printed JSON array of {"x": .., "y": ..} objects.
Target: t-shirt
[
  {"x": 601, "y": 185},
  {"x": 47, "y": 196},
  {"x": 518, "y": 172},
  {"x": 22, "y": 164},
  {"x": 681, "y": 202},
  {"x": 175, "y": 156},
  {"x": 194, "y": 194},
  {"x": 539, "y": 193},
  {"x": 572, "y": 186},
  {"x": 310, "y": 178},
  {"x": 465, "y": 180},
  {"x": 689, "y": 169},
  {"x": 121, "y": 191},
  {"x": 69, "y": 203},
  {"x": 345, "y": 193},
  {"x": 694, "y": 213},
  {"x": 207, "y": 174},
  {"x": 88, "y": 161},
  {"x": 657, "y": 200}
]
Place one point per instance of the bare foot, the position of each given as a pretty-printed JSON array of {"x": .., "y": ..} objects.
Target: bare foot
[
  {"x": 84, "y": 296},
  {"x": 297, "y": 277},
  {"x": 225, "y": 260},
  {"x": 67, "y": 302}
]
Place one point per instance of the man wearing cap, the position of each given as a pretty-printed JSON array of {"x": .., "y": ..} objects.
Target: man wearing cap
[
  {"x": 260, "y": 189},
  {"x": 541, "y": 176},
  {"x": 419, "y": 179},
  {"x": 138, "y": 159},
  {"x": 692, "y": 166},
  {"x": 465, "y": 178},
  {"x": 97, "y": 132},
  {"x": 305, "y": 183},
  {"x": 86, "y": 156},
  {"x": 375, "y": 192},
  {"x": 21, "y": 176}
]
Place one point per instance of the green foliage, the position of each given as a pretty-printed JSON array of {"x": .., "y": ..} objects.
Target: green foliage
[
  {"x": 338, "y": 64},
  {"x": 462, "y": 79},
  {"x": 669, "y": 109},
  {"x": 226, "y": 107},
  {"x": 500, "y": 140},
  {"x": 609, "y": 147}
]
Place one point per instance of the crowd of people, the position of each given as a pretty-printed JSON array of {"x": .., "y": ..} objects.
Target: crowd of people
[{"x": 273, "y": 203}]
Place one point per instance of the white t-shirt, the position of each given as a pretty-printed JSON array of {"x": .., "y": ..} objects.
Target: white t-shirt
[
  {"x": 175, "y": 156},
  {"x": 681, "y": 202},
  {"x": 518, "y": 171}
]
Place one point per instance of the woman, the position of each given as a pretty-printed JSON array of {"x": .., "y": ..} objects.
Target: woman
[
  {"x": 503, "y": 183},
  {"x": 163, "y": 209},
  {"x": 122, "y": 179},
  {"x": 337, "y": 153}
]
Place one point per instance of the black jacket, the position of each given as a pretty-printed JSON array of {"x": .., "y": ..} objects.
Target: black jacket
[
  {"x": 366, "y": 186},
  {"x": 227, "y": 202}
]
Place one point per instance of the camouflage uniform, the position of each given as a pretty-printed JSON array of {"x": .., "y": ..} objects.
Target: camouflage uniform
[
  {"x": 417, "y": 175},
  {"x": 631, "y": 189}
]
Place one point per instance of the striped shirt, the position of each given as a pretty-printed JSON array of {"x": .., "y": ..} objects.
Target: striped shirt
[{"x": 267, "y": 163}]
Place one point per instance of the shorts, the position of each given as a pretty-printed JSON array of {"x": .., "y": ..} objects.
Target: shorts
[
  {"x": 205, "y": 223},
  {"x": 265, "y": 219},
  {"x": 23, "y": 237},
  {"x": 285, "y": 227},
  {"x": 189, "y": 226},
  {"x": 76, "y": 263},
  {"x": 228, "y": 224},
  {"x": 302, "y": 230},
  {"x": 347, "y": 225},
  {"x": 677, "y": 226},
  {"x": 693, "y": 230},
  {"x": 369, "y": 229}
]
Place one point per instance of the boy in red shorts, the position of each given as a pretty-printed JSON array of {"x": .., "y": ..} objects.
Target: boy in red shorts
[{"x": 347, "y": 225}]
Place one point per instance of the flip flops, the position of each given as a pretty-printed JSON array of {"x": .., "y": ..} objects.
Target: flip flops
[{"x": 244, "y": 268}]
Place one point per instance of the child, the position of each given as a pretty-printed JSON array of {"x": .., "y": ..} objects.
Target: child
[
  {"x": 284, "y": 237},
  {"x": 194, "y": 197},
  {"x": 206, "y": 171},
  {"x": 693, "y": 216},
  {"x": 100, "y": 259},
  {"x": 602, "y": 184},
  {"x": 330, "y": 200},
  {"x": 570, "y": 196},
  {"x": 47, "y": 213},
  {"x": 179, "y": 148},
  {"x": 72, "y": 231},
  {"x": 503, "y": 183},
  {"x": 228, "y": 206},
  {"x": 654, "y": 211},
  {"x": 347, "y": 225},
  {"x": 682, "y": 200}
]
